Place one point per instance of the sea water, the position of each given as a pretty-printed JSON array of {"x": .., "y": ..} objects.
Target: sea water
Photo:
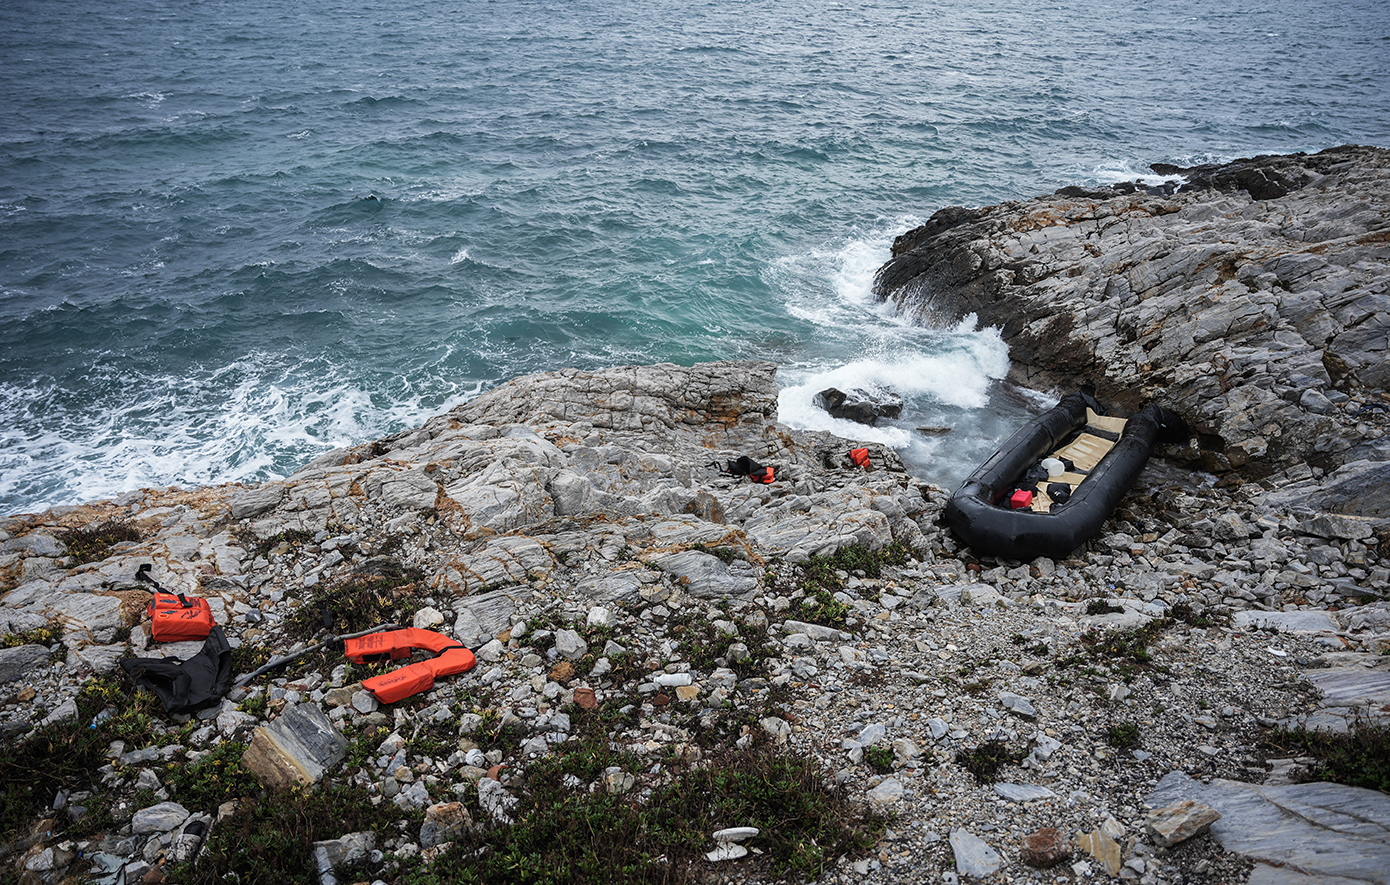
[{"x": 236, "y": 234}]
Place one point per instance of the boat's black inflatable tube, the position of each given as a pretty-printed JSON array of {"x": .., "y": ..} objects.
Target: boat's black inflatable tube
[{"x": 992, "y": 530}]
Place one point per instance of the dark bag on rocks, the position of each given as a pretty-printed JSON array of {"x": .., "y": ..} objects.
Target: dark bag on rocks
[
  {"x": 187, "y": 686},
  {"x": 746, "y": 466}
]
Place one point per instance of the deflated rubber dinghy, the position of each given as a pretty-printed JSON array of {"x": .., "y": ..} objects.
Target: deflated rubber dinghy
[{"x": 1050, "y": 486}]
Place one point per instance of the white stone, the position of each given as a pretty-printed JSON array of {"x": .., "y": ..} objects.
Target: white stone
[
  {"x": 162, "y": 818},
  {"x": 494, "y": 799},
  {"x": 599, "y": 617},
  {"x": 974, "y": 857},
  {"x": 735, "y": 834},
  {"x": 427, "y": 618},
  {"x": 726, "y": 851},
  {"x": 888, "y": 792},
  {"x": 1023, "y": 792}
]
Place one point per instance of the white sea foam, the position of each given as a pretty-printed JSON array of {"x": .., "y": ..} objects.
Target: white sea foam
[
  {"x": 244, "y": 422},
  {"x": 1117, "y": 171},
  {"x": 942, "y": 374},
  {"x": 845, "y": 270},
  {"x": 460, "y": 256}
]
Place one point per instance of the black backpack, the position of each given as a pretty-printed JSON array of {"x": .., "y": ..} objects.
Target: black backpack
[{"x": 187, "y": 686}]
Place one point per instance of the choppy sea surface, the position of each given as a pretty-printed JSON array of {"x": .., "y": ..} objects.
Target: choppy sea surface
[{"x": 236, "y": 234}]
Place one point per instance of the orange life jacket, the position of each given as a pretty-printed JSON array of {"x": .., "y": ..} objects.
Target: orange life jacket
[
  {"x": 175, "y": 617},
  {"x": 413, "y": 678},
  {"x": 860, "y": 458}
]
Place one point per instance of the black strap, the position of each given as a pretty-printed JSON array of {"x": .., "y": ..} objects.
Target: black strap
[{"x": 143, "y": 574}]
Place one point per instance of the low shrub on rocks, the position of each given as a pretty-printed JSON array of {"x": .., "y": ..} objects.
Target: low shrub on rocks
[
  {"x": 1123, "y": 736},
  {"x": 566, "y": 830},
  {"x": 45, "y": 635},
  {"x": 92, "y": 544},
  {"x": 1123, "y": 652},
  {"x": 66, "y": 757},
  {"x": 1358, "y": 758},
  {"x": 986, "y": 760},
  {"x": 270, "y": 837}
]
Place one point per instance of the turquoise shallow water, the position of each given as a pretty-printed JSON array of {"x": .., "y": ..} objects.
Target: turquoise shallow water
[{"x": 233, "y": 235}]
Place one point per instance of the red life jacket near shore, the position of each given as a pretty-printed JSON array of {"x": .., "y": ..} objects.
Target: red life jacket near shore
[
  {"x": 175, "y": 617},
  {"x": 860, "y": 458},
  {"x": 414, "y": 678}
]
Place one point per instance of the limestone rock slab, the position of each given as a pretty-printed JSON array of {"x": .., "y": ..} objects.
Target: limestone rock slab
[
  {"x": 16, "y": 662},
  {"x": 1317, "y": 830},
  {"x": 1305, "y": 621},
  {"x": 974, "y": 857},
  {"x": 298, "y": 748}
]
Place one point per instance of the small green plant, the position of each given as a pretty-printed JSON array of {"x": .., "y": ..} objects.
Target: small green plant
[
  {"x": 293, "y": 537},
  {"x": 880, "y": 759},
  {"x": 1358, "y": 758},
  {"x": 94, "y": 543},
  {"x": 824, "y": 609},
  {"x": 493, "y": 734},
  {"x": 270, "y": 838},
  {"x": 1126, "y": 652},
  {"x": 1103, "y": 607},
  {"x": 985, "y": 760},
  {"x": 726, "y": 554},
  {"x": 657, "y": 832},
  {"x": 255, "y": 705},
  {"x": 45, "y": 635},
  {"x": 1123, "y": 736},
  {"x": 1184, "y": 612},
  {"x": 213, "y": 779}
]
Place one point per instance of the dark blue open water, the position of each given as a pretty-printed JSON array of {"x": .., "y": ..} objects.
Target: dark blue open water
[{"x": 234, "y": 234}]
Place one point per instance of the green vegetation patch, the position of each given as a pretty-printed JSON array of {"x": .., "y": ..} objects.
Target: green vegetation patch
[
  {"x": 292, "y": 537},
  {"x": 45, "y": 635},
  {"x": 819, "y": 578},
  {"x": 1103, "y": 607},
  {"x": 1359, "y": 758},
  {"x": 985, "y": 761},
  {"x": 1188, "y": 615},
  {"x": 65, "y": 756},
  {"x": 213, "y": 779},
  {"x": 271, "y": 838},
  {"x": 1125, "y": 652},
  {"x": 880, "y": 759},
  {"x": 659, "y": 831},
  {"x": 358, "y": 603},
  {"x": 703, "y": 644},
  {"x": 1123, "y": 736},
  {"x": 92, "y": 544}
]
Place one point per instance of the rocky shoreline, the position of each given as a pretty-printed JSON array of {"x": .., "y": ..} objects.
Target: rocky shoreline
[{"x": 573, "y": 530}]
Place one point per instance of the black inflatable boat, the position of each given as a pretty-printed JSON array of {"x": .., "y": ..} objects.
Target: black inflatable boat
[{"x": 1050, "y": 486}]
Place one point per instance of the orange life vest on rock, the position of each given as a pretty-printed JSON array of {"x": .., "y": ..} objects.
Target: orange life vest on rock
[
  {"x": 175, "y": 617},
  {"x": 414, "y": 678}
]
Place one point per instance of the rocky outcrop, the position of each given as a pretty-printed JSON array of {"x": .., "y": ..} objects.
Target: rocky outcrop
[
  {"x": 1253, "y": 298},
  {"x": 571, "y": 528}
]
